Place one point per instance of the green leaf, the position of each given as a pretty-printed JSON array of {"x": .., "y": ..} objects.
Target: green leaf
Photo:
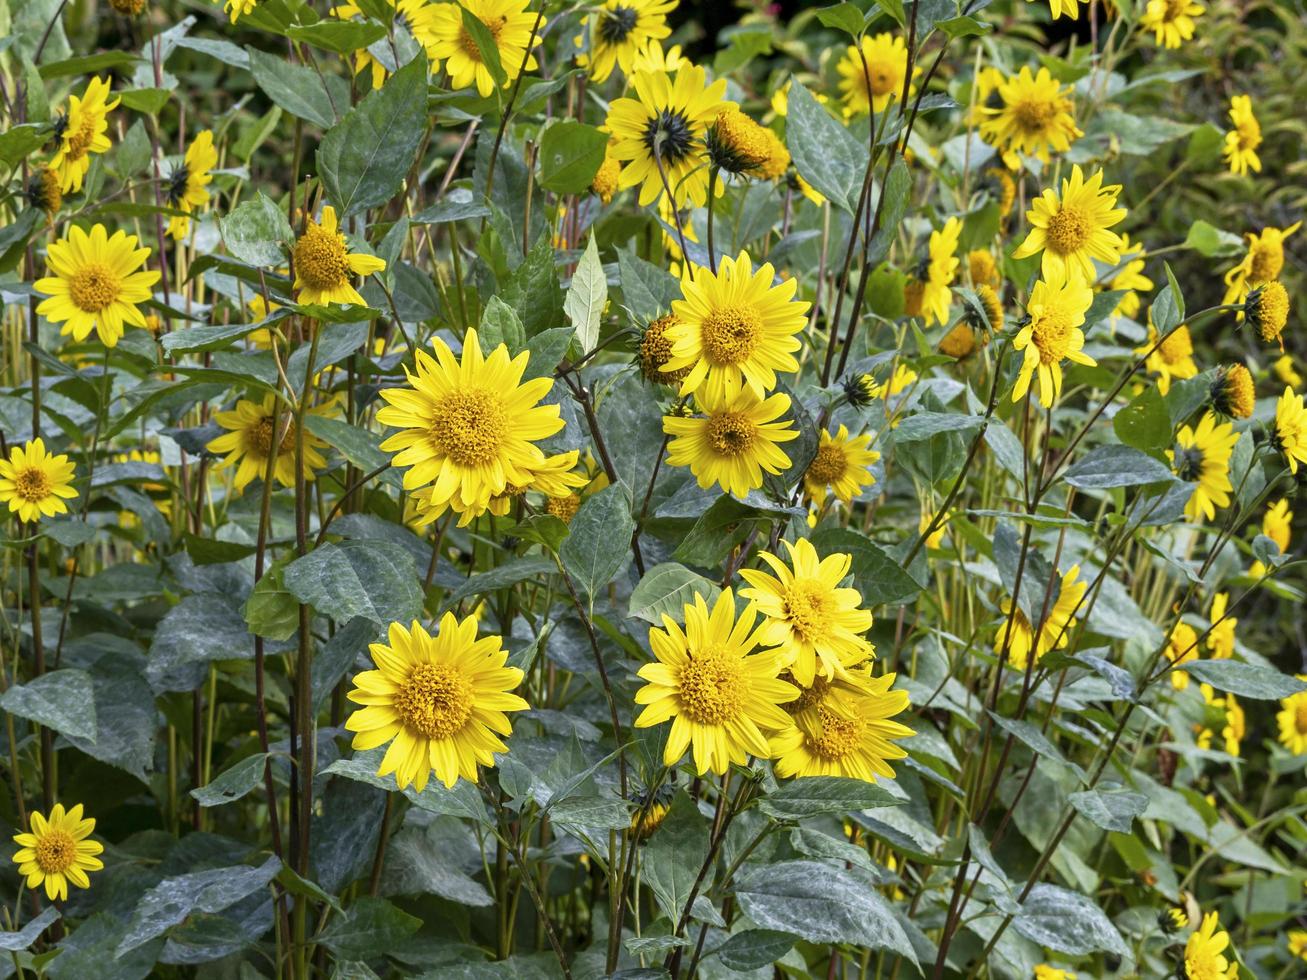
[
  {"x": 586, "y": 297},
  {"x": 257, "y": 232},
  {"x": 533, "y": 290},
  {"x": 879, "y": 576},
  {"x": 62, "y": 700},
  {"x": 897, "y": 191},
  {"x": 299, "y": 90},
  {"x": 199, "y": 630},
  {"x": 600, "y": 542},
  {"x": 673, "y": 857},
  {"x": 364, "y": 158},
  {"x": 211, "y": 551},
  {"x": 14, "y": 942},
  {"x": 1067, "y": 922},
  {"x": 825, "y": 794},
  {"x": 518, "y": 570},
  {"x": 1111, "y": 809},
  {"x": 924, "y": 425},
  {"x": 362, "y": 447},
  {"x": 571, "y": 153},
  {"x": 500, "y": 325},
  {"x": 146, "y": 100},
  {"x": 370, "y": 928},
  {"x": 754, "y": 949},
  {"x": 340, "y": 36},
  {"x": 1145, "y": 423},
  {"x": 1208, "y": 240},
  {"x": 271, "y": 611},
  {"x": 846, "y": 17},
  {"x": 1168, "y": 307},
  {"x": 1246, "y": 680},
  {"x": 648, "y": 290},
  {"x": 18, "y": 142},
  {"x": 374, "y": 579},
  {"x": 458, "y": 204},
  {"x": 1116, "y": 466},
  {"x": 234, "y": 783},
  {"x": 718, "y": 530},
  {"x": 825, "y": 153},
  {"x": 486, "y": 45},
  {"x": 548, "y": 348},
  {"x": 667, "y": 589},
  {"x": 71, "y": 532}
]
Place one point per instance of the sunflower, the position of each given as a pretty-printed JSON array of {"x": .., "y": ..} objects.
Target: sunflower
[
  {"x": 652, "y": 57},
  {"x": 842, "y": 464},
  {"x": 556, "y": 477},
  {"x": 1292, "y": 719},
  {"x": 56, "y": 851},
  {"x": 1285, "y": 371},
  {"x": 1181, "y": 647},
  {"x": 439, "y": 700},
  {"x": 737, "y": 144},
  {"x": 188, "y": 187},
  {"x": 816, "y": 625},
  {"x": 734, "y": 329},
  {"x": 1130, "y": 279},
  {"x": 248, "y": 440},
  {"x": 35, "y": 483},
  {"x": 239, "y": 8},
  {"x": 941, "y": 268},
  {"x": 1224, "y": 718},
  {"x": 982, "y": 269},
  {"x": 1277, "y": 524},
  {"x": 1056, "y": 310},
  {"x": 591, "y": 479},
  {"x": 1204, "y": 952},
  {"x": 1220, "y": 638},
  {"x": 469, "y": 426},
  {"x": 1172, "y": 359},
  {"x": 511, "y": 26},
  {"x": 656, "y": 351},
  {"x": 874, "y": 77},
  {"x": 1264, "y": 262},
  {"x": 719, "y": 695},
  {"x": 1043, "y": 971},
  {"x": 1034, "y": 117},
  {"x": 604, "y": 184},
  {"x": 1298, "y": 943},
  {"x": 1241, "y": 143},
  {"x": 1202, "y": 457},
  {"x": 324, "y": 266},
  {"x": 1267, "y": 308},
  {"x": 848, "y": 733},
  {"x": 659, "y": 133},
  {"x": 936, "y": 537},
  {"x": 97, "y": 283},
  {"x": 43, "y": 191},
  {"x": 1171, "y": 21},
  {"x": 898, "y": 382},
  {"x": 1291, "y": 428},
  {"x": 619, "y": 30},
  {"x": 1072, "y": 230},
  {"x": 1064, "y": 8},
  {"x": 80, "y": 132},
  {"x": 416, "y": 15},
  {"x": 1053, "y": 632},
  {"x": 736, "y": 441}
]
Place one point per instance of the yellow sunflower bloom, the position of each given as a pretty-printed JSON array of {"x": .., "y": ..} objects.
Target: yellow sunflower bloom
[
  {"x": 1171, "y": 21},
  {"x": 440, "y": 702},
  {"x": 1298, "y": 943},
  {"x": 941, "y": 269},
  {"x": 555, "y": 477},
  {"x": 842, "y": 464},
  {"x": 652, "y": 57},
  {"x": 1292, "y": 721},
  {"x": 416, "y": 15},
  {"x": 1204, "y": 952},
  {"x": 1034, "y": 117},
  {"x": 1277, "y": 524},
  {"x": 188, "y": 187},
  {"x": 1285, "y": 370},
  {"x": 324, "y": 266},
  {"x": 1263, "y": 263},
  {"x": 1291, "y": 428},
  {"x": 1073, "y": 229},
  {"x": 1220, "y": 638},
  {"x": 1064, "y": 8},
  {"x": 734, "y": 328},
  {"x": 879, "y": 81},
  {"x": 1129, "y": 278},
  {"x": 720, "y": 696},
  {"x": 1202, "y": 457},
  {"x": 247, "y": 443},
  {"x": 35, "y": 483},
  {"x": 734, "y": 443},
  {"x": 1054, "y": 631},
  {"x": 510, "y": 24},
  {"x": 620, "y": 30},
  {"x": 1172, "y": 360},
  {"x": 81, "y": 131},
  {"x": 1267, "y": 309},
  {"x": 1043, "y": 971},
  {"x": 56, "y": 851},
  {"x": 97, "y": 282},
  {"x": 1241, "y": 143},
  {"x": 237, "y": 9},
  {"x": 1224, "y": 720},
  {"x": 1181, "y": 647},
  {"x": 1056, "y": 309}
]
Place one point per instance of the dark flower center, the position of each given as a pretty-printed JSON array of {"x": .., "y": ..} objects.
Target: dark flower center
[
  {"x": 616, "y": 24},
  {"x": 668, "y": 136},
  {"x": 177, "y": 182}
]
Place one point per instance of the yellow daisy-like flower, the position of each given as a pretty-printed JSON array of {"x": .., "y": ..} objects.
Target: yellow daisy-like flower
[
  {"x": 1241, "y": 143},
  {"x": 652, "y": 57},
  {"x": 941, "y": 270},
  {"x": 734, "y": 443},
  {"x": 555, "y": 477},
  {"x": 1171, "y": 21},
  {"x": 440, "y": 702},
  {"x": 604, "y": 184},
  {"x": 56, "y": 851},
  {"x": 416, "y": 15},
  {"x": 936, "y": 537},
  {"x": 1263, "y": 263},
  {"x": 1062, "y": 8},
  {"x": 35, "y": 483},
  {"x": 982, "y": 269},
  {"x": 898, "y": 382},
  {"x": 1298, "y": 943},
  {"x": 188, "y": 187},
  {"x": 739, "y": 145},
  {"x": 247, "y": 443},
  {"x": 880, "y": 81},
  {"x": 816, "y": 625},
  {"x": 510, "y": 24},
  {"x": 1220, "y": 639},
  {"x": 470, "y": 426},
  {"x": 620, "y": 30},
  {"x": 1277, "y": 524},
  {"x": 1043, "y": 971},
  {"x": 1034, "y": 118},
  {"x": 734, "y": 329},
  {"x": 97, "y": 282},
  {"x": 325, "y": 267},
  {"x": 1181, "y": 647},
  {"x": 667, "y": 121},
  {"x": 1056, "y": 309},
  {"x": 1202, "y": 457},
  {"x": 1225, "y": 719},
  {"x": 1285, "y": 371},
  {"x": 1130, "y": 278},
  {"x": 848, "y": 733},
  {"x": 719, "y": 695},
  {"x": 239, "y": 8},
  {"x": 1054, "y": 631},
  {"x": 81, "y": 131},
  {"x": 1172, "y": 360},
  {"x": 1204, "y": 952},
  {"x": 1291, "y": 428},
  {"x": 1267, "y": 308},
  {"x": 842, "y": 464},
  {"x": 1292, "y": 720},
  {"x": 43, "y": 191},
  {"x": 1073, "y": 229}
]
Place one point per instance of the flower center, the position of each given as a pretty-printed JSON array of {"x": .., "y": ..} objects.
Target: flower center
[
  {"x": 469, "y": 426},
  {"x": 730, "y": 333},
  {"x": 809, "y": 697},
  {"x": 1177, "y": 347},
  {"x": 617, "y": 23},
  {"x": 468, "y": 43},
  {"x": 56, "y": 851},
  {"x": 711, "y": 689},
  {"x": 730, "y": 433},
  {"x": 564, "y": 508},
  {"x": 1068, "y": 230},
  {"x": 435, "y": 701},
  {"x": 1175, "y": 9},
  {"x": 807, "y": 608},
  {"x": 178, "y": 181},
  {"x": 93, "y": 287},
  {"x": 260, "y": 436},
  {"x": 1189, "y": 463},
  {"x": 881, "y": 78},
  {"x": 837, "y": 737},
  {"x": 1300, "y": 718},
  {"x": 32, "y": 484},
  {"x": 828, "y": 465},
  {"x": 1034, "y": 115},
  {"x": 1250, "y": 134},
  {"x": 669, "y": 136},
  {"x": 320, "y": 258},
  {"x": 1266, "y": 262},
  {"x": 80, "y": 140},
  {"x": 1051, "y": 332}
]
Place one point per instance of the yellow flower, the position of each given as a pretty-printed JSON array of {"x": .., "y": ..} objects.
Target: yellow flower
[
  {"x": 80, "y": 132},
  {"x": 1072, "y": 230},
  {"x": 620, "y": 30},
  {"x": 1292, "y": 719},
  {"x": 1298, "y": 943},
  {"x": 719, "y": 695},
  {"x": 1181, "y": 647},
  {"x": 554, "y": 477},
  {"x": 982, "y": 269},
  {"x": 737, "y": 144},
  {"x": 878, "y": 82},
  {"x": 604, "y": 184},
  {"x": 97, "y": 283},
  {"x": 1233, "y": 392},
  {"x": 960, "y": 341},
  {"x": 188, "y": 187},
  {"x": 1202, "y": 457},
  {"x": 941, "y": 269},
  {"x": 1277, "y": 524},
  {"x": 1171, "y": 21},
  {"x": 1203, "y": 953},
  {"x": 656, "y": 351},
  {"x": 247, "y": 442},
  {"x": 842, "y": 464},
  {"x": 57, "y": 851},
  {"x": 848, "y": 732},
  {"x": 1264, "y": 262},
  {"x": 440, "y": 701},
  {"x": 1173, "y": 357},
  {"x": 44, "y": 192},
  {"x": 1129, "y": 278},
  {"x": 1220, "y": 639},
  {"x": 936, "y": 537},
  {"x": 667, "y": 121},
  {"x": 1241, "y": 143},
  {"x": 324, "y": 266},
  {"x": 1034, "y": 118},
  {"x": 1054, "y": 631},
  {"x": 815, "y": 625},
  {"x": 1056, "y": 310},
  {"x": 239, "y": 8},
  {"x": 1285, "y": 370},
  {"x": 1062, "y": 8},
  {"x": 902, "y": 377},
  {"x": 652, "y": 57},
  {"x": 416, "y": 15},
  {"x": 1225, "y": 718},
  {"x": 1043, "y": 971},
  {"x": 509, "y": 24},
  {"x": 470, "y": 428},
  {"x": 1267, "y": 308},
  {"x": 735, "y": 443},
  {"x": 35, "y": 483},
  {"x": 734, "y": 329},
  {"x": 778, "y": 159},
  {"x": 1291, "y": 428}
]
